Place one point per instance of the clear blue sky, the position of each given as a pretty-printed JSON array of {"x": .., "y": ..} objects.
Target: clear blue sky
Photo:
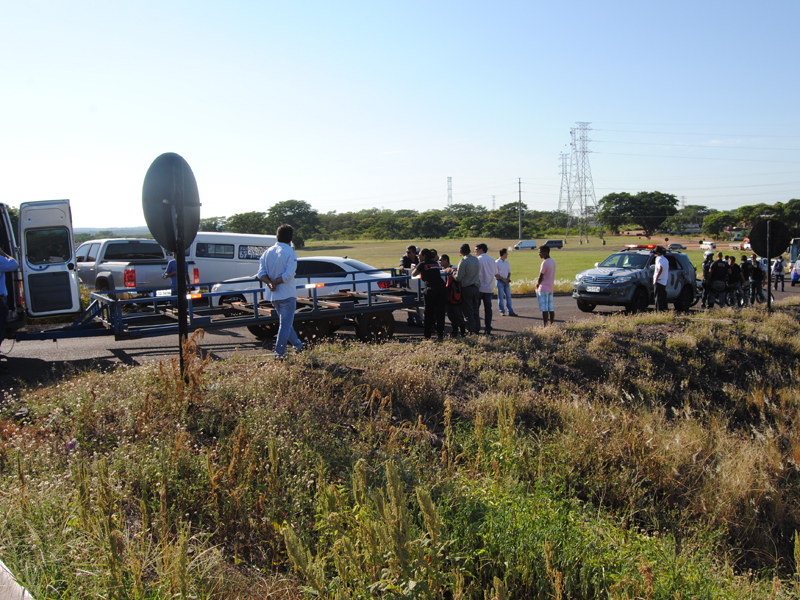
[{"x": 353, "y": 105}]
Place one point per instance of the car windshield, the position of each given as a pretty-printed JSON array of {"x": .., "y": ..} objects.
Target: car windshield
[
  {"x": 358, "y": 265},
  {"x": 625, "y": 260}
]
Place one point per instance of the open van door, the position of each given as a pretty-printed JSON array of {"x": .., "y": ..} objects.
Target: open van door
[{"x": 50, "y": 279}]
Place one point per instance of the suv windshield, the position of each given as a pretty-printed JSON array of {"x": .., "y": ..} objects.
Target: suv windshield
[{"x": 626, "y": 260}]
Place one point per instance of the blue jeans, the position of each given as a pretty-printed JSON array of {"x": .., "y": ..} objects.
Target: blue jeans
[
  {"x": 285, "y": 309},
  {"x": 504, "y": 297}
]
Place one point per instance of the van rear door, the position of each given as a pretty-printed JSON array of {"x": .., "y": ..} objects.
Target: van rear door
[{"x": 50, "y": 279}]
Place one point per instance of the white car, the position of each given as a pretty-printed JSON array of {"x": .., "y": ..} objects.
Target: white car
[{"x": 335, "y": 272}]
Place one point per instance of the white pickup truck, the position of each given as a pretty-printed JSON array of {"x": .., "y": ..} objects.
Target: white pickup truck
[{"x": 122, "y": 263}]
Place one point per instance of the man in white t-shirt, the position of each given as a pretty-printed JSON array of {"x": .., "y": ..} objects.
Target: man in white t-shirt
[
  {"x": 545, "y": 286},
  {"x": 504, "y": 284},
  {"x": 660, "y": 279}
]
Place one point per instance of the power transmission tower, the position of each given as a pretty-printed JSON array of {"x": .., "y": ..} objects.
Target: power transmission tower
[
  {"x": 449, "y": 192},
  {"x": 492, "y": 202},
  {"x": 564, "y": 213},
  {"x": 582, "y": 189}
]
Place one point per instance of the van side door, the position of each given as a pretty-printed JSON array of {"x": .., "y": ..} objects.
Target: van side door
[{"x": 50, "y": 279}]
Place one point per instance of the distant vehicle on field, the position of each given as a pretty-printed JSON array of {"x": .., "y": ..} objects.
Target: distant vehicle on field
[
  {"x": 553, "y": 244},
  {"x": 676, "y": 247},
  {"x": 525, "y": 245}
]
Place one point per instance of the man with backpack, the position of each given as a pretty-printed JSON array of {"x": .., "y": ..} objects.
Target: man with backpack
[{"x": 779, "y": 271}]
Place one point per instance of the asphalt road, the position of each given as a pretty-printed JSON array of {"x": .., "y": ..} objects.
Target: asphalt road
[{"x": 32, "y": 363}]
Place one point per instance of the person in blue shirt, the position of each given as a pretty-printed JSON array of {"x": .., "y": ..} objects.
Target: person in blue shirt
[
  {"x": 277, "y": 267},
  {"x": 7, "y": 264}
]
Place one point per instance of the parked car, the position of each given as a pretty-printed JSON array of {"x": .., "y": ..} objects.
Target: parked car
[
  {"x": 796, "y": 272},
  {"x": 553, "y": 244},
  {"x": 626, "y": 279},
  {"x": 525, "y": 245},
  {"x": 222, "y": 256},
  {"x": 334, "y": 272},
  {"x": 676, "y": 247},
  {"x": 708, "y": 246}
]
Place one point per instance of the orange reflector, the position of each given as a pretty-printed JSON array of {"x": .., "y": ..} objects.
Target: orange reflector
[{"x": 314, "y": 285}]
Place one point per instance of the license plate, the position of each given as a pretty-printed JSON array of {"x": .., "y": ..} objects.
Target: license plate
[
  {"x": 160, "y": 293},
  {"x": 593, "y": 289}
]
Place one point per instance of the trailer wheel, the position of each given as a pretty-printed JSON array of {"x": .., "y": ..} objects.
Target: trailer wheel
[
  {"x": 375, "y": 327},
  {"x": 313, "y": 330},
  {"x": 264, "y": 332},
  {"x": 334, "y": 323}
]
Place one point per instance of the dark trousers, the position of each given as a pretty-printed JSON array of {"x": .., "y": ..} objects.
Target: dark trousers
[
  {"x": 470, "y": 305},
  {"x": 778, "y": 277},
  {"x": 456, "y": 318},
  {"x": 486, "y": 300},
  {"x": 435, "y": 307},
  {"x": 661, "y": 297},
  {"x": 3, "y": 315}
]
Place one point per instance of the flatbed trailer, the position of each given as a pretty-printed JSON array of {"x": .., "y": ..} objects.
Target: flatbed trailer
[{"x": 316, "y": 316}]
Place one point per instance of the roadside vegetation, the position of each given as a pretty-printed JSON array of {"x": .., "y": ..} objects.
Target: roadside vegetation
[{"x": 635, "y": 456}]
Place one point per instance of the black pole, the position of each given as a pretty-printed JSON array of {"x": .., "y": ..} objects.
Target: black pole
[
  {"x": 180, "y": 259},
  {"x": 769, "y": 268}
]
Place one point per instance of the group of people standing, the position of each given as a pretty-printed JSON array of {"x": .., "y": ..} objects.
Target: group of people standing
[
  {"x": 477, "y": 277},
  {"x": 744, "y": 280}
]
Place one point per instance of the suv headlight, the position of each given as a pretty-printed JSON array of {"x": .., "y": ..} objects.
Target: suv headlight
[
  {"x": 578, "y": 278},
  {"x": 624, "y": 279}
]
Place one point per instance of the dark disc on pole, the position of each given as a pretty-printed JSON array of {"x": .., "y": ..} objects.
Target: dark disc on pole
[
  {"x": 170, "y": 182},
  {"x": 770, "y": 238}
]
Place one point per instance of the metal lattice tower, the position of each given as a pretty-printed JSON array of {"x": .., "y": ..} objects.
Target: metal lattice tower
[
  {"x": 582, "y": 188},
  {"x": 564, "y": 202},
  {"x": 449, "y": 192},
  {"x": 492, "y": 202}
]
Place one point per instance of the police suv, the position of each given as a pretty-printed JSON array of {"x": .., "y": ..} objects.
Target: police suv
[{"x": 626, "y": 279}]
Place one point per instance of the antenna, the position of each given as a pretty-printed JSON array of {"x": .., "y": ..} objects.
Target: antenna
[{"x": 449, "y": 192}]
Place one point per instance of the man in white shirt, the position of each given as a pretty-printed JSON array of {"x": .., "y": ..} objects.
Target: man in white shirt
[
  {"x": 277, "y": 267},
  {"x": 487, "y": 277},
  {"x": 660, "y": 279},
  {"x": 504, "y": 284}
]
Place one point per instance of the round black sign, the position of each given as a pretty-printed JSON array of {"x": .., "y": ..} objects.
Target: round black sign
[
  {"x": 170, "y": 187},
  {"x": 779, "y": 238}
]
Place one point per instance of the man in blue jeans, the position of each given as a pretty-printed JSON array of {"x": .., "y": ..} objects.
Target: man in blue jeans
[
  {"x": 276, "y": 269},
  {"x": 504, "y": 284}
]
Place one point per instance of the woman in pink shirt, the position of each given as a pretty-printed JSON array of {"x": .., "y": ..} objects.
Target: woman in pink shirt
[{"x": 545, "y": 285}]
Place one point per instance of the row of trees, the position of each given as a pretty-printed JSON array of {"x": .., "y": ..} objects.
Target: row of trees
[{"x": 648, "y": 211}]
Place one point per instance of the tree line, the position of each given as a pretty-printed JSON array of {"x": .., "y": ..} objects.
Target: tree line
[{"x": 646, "y": 211}]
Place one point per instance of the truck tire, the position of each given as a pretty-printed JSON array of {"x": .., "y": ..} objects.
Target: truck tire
[
  {"x": 639, "y": 301},
  {"x": 375, "y": 327},
  {"x": 586, "y": 307},
  {"x": 313, "y": 330},
  {"x": 101, "y": 285},
  {"x": 264, "y": 332},
  {"x": 685, "y": 299}
]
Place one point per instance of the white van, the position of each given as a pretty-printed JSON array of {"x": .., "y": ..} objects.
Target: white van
[
  {"x": 525, "y": 245},
  {"x": 708, "y": 246},
  {"x": 220, "y": 255}
]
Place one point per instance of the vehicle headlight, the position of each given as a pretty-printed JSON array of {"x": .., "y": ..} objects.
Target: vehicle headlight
[
  {"x": 578, "y": 278},
  {"x": 622, "y": 279}
]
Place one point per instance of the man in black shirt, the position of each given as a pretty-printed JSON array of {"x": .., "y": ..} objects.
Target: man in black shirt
[
  {"x": 756, "y": 280},
  {"x": 735, "y": 281},
  {"x": 719, "y": 272},
  {"x": 706, "y": 266}
]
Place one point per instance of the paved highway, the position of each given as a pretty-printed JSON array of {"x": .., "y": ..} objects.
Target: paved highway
[{"x": 42, "y": 362}]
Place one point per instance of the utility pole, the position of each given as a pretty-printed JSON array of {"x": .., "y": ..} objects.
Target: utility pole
[
  {"x": 582, "y": 185},
  {"x": 520, "y": 207},
  {"x": 564, "y": 200}
]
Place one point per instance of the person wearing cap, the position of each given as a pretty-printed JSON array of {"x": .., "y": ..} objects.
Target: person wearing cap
[{"x": 660, "y": 279}]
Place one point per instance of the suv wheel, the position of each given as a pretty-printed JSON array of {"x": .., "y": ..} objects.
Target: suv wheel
[
  {"x": 639, "y": 302},
  {"x": 586, "y": 306},
  {"x": 684, "y": 300}
]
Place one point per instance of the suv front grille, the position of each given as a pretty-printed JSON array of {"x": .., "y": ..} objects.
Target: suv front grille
[{"x": 598, "y": 279}]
